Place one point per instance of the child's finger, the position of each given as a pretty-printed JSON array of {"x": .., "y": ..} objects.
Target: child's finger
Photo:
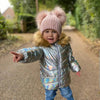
[
  {"x": 18, "y": 59},
  {"x": 14, "y": 53},
  {"x": 14, "y": 58}
]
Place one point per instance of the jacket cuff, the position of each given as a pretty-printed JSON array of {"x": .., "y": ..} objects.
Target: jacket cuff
[{"x": 75, "y": 67}]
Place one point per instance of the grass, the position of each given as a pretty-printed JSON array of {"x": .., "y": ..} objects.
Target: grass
[{"x": 11, "y": 43}]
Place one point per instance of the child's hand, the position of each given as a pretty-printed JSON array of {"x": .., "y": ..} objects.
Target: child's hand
[
  {"x": 78, "y": 73},
  {"x": 17, "y": 56}
]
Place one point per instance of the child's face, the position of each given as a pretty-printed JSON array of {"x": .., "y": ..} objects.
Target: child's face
[{"x": 50, "y": 35}]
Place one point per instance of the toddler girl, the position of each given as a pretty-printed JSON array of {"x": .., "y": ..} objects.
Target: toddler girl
[{"x": 52, "y": 48}]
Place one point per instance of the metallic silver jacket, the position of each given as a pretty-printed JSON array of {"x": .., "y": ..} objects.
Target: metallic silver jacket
[{"x": 55, "y": 64}]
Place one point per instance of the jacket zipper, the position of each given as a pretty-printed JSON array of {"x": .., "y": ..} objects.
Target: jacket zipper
[{"x": 59, "y": 65}]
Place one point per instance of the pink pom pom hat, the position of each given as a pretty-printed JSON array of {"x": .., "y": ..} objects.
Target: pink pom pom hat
[{"x": 51, "y": 20}]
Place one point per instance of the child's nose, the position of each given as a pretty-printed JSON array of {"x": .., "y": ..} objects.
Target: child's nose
[{"x": 51, "y": 34}]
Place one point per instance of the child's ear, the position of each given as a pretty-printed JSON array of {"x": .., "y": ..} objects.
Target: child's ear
[
  {"x": 59, "y": 12},
  {"x": 40, "y": 16}
]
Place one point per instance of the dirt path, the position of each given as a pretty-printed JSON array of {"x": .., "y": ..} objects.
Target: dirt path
[{"x": 21, "y": 81}]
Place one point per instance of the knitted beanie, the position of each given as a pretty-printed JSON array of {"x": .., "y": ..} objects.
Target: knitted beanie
[{"x": 51, "y": 20}]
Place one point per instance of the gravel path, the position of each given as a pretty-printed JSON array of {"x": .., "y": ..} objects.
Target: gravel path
[{"x": 22, "y": 81}]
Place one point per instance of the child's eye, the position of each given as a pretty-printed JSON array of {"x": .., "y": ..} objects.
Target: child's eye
[
  {"x": 54, "y": 32},
  {"x": 47, "y": 31}
]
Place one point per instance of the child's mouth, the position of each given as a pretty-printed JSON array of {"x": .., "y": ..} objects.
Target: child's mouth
[{"x": 50, "y": 38}]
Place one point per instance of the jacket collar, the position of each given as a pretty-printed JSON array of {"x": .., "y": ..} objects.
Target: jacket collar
[{"x": 39, "y": 41}]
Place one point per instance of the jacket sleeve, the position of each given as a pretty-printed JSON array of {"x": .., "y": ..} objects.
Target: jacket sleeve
[
  {"x": 31, "y": 54},
  {"x": 73, "y": 64}
]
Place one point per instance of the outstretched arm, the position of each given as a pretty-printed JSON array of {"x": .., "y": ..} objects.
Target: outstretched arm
[{"x": 27, "y": 55}]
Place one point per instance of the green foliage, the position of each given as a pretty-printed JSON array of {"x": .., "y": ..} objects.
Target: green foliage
[
  {"x": 68, "y": 5},
  {"x": 29, "y": 21},
  {"x": 87, "y": 15},
  {"x": 24, "y": 6},
  {"x": 47, "y": 4},
  {"x": 3, "y": 34},
  {"x": 25, "y": 10},
  {"x": 70, "y": 19},
  {"x": 13, "y": 26}
]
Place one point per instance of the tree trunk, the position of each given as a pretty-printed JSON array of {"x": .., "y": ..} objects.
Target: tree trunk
[
  {"x": 23, "y": 26},
  {"x": 37, "y": 8}
]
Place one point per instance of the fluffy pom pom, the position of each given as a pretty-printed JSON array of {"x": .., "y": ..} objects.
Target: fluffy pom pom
[
  {"x": 40, "y": 16},
  {"x": 59, "y": 12}
]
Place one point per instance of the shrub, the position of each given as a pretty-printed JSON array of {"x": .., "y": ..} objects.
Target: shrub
[
  {"x": 3, "y": 33},
  {"x": 87, "y": 15},
  {"x": 29, "y": 21},
  {"x": 70, "y": 19},
  {"x": 13, "y": 26}
]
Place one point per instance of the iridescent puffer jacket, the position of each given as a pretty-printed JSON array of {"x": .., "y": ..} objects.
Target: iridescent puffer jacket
[{"x": 55, "y": 60}]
